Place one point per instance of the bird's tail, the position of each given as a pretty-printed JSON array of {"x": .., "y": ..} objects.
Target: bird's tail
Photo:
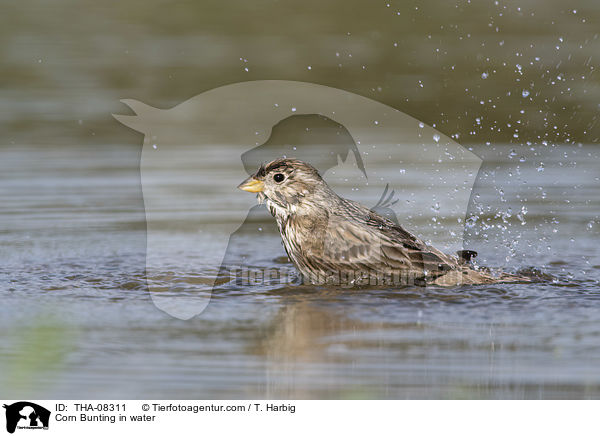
[{"x": 467, "y": 275}]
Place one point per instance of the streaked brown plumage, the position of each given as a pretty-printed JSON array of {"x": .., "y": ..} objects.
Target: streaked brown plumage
[{"x": 338, "y": 241}]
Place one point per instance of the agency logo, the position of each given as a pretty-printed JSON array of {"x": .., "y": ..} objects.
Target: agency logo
[
  {"x": 26, "y": 416},
  {"x": 200, "y": 226}
]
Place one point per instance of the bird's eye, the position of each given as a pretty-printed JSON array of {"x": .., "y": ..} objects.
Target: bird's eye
[{"x": 278, "y": 177}]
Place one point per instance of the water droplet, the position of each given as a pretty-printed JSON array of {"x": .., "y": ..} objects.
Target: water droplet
[
  {"x": 471, "y": 221},
  {"x": 436, "y": 137},
  {"x": 484, "y": 75},
  {"x": 525, "y": 93}
]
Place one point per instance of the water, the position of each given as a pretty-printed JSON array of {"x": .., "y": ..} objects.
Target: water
[
  {"x": 76, "y": 315},
  {"x": 78, "y": 322}
]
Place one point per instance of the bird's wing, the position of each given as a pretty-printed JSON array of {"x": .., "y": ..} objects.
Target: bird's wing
[
  {"x": 378, "y": 243},
  {"x": 351, "y": 245}
]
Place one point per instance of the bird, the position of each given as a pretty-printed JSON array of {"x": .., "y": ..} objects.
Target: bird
[{"x": 336, "y": 241}]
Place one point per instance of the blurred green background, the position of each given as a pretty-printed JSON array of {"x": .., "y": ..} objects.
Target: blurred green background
[{"x": 481, "y": 71}]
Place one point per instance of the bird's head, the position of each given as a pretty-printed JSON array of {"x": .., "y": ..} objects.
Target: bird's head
[{"x": 287, "y": 183}]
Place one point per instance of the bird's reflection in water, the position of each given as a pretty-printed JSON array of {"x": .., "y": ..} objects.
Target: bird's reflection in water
[{"x": 311, "y": 345}]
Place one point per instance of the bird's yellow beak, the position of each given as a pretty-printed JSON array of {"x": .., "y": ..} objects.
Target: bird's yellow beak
[{"x": 252, "y": 185}]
